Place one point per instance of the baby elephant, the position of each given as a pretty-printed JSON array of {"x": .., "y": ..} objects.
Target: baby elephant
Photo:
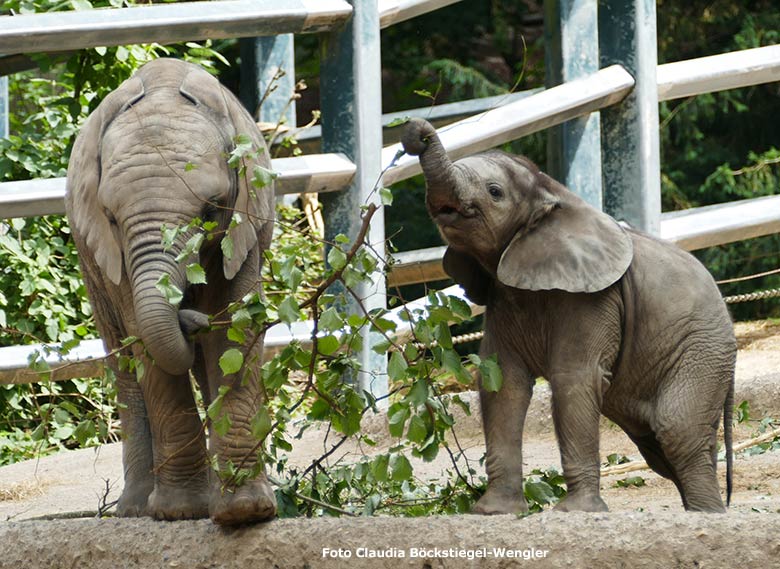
[
  {"x": 154, "y": 155},
  {"x": 620, "y": 323}
]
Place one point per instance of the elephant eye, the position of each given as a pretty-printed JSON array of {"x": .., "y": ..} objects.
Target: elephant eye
[
  {"x": 110, "y": 216},
  {"x": 495, "y": 191},
  {"x": 210, "y": 209}
]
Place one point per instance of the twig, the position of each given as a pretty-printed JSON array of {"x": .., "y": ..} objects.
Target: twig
[{"x": 641, "y": 465}]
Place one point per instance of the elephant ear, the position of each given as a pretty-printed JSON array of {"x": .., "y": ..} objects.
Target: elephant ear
[
  {"x": 85, "y": 213},
  {"x": 574, "y": 247},
  {"x": 469, "y": 274},
  {"x": 253, "y": 206}
]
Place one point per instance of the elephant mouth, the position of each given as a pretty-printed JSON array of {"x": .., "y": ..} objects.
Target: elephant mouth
[{"x": 447, "y": 214}]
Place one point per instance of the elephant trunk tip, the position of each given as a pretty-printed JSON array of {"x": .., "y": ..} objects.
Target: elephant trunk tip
[
  {"x": 416, "y": 136},
  {"x": 193, "y": 322}
]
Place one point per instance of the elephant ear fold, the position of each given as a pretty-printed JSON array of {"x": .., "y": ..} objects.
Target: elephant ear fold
[
  {"x": 254, "y": 203},
  {"x": 85, "y": 212},
  {"x": 469, "y": 274},
  {"x": 254, "y": 206},
  {"x": 574, "y": 247}
]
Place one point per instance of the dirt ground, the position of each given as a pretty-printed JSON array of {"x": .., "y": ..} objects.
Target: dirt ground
[{"x": 646, "y": 526}]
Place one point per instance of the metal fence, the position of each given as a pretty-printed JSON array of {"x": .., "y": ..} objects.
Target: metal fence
[{"x": 610, "y": 158}]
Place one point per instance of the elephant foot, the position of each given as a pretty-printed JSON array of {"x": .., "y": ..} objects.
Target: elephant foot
[
  {"x": 582, "y": 503},
  {"x": 496, "y": 503},
  {"x": 133, "y": 503},
  {"x": 253, "y": 501},
  {"x": 172, "y": 503}
]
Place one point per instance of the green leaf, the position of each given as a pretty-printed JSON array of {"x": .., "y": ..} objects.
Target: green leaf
[
  {"x": 418, "y": 394},
  {"x": 443, "y": 335},
  {"x": 397, "y": 415},
  {"x": 328, "y": 345},
  {"x": 231, "y": 361},
  {"x": 337, "y": 259},
  {"x": 215, "y": 408},
  {"x": 85, "y": 430},
  {"x": 492, "y": 379},
  {"x": 417, "y": 431},
  {"x": 397, "y": 366},
  {"x": 261, "y": 424},
  {"x": 289, "y": 311},
  {"x": 379, "y": 467},
  {"x": 450, "y": 361},
  {"x": 236, "y": 335},
  {"x": 398, "y": 122},
  {"x": 243, "y": 147},
  {"x": 222, "y": 424},
  {"x": 400, "y": 468},
  {"x": 171, "y": 292},
  {"x": 386, "y": 196},
  {"x": 196, "y": 274},
  {"x": 330, "y": 320},
  {"x": 227, "y": 246},
  {"x": 261, "y": 177},
  {"x": 539, "y": 491}
]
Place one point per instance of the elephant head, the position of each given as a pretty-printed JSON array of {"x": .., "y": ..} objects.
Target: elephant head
[
  {"x": 150, "y": 157},
  {"x": 505, "y": 220}
]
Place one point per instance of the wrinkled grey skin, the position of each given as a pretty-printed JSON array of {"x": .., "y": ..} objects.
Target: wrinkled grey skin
[
  {"x": 128, "y": 176},
  {"x": 619, "y": 323}
]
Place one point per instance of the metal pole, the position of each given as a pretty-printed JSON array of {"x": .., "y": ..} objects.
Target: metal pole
[
  {"x": 3, "y": 107},
  {"x": 629, "y": 130},
  {"x": 351, "y": 102},
  {"x": 269, "y": 62},
  {"x": 571, "y": 52}
]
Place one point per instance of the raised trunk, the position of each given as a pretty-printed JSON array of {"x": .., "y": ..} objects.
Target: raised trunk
[{"x": 420, "y": 139}]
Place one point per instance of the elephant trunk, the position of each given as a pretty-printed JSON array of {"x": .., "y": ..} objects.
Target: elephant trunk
[
  {"x": 157, "y": 319},
  {"x": 420, "y": 139}
]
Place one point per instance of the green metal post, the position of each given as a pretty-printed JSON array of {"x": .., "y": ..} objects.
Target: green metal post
[
  {"x": 351, "y": 102},
  {"x": 571, "y": 52},
  {"x": 629, "y": 130},
  {"x": 269, "y": 62},
  {"x": 3, "y": 107}
]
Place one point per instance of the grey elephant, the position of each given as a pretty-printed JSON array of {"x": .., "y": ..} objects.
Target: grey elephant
[
  {"x": 620, "y": 323},
  {"x": 154, "y": 154}
]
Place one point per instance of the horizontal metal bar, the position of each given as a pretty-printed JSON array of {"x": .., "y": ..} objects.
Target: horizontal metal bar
[
  {"x": 514, "y": 120},
  {"x": 300, "y": 174},
  {"x": 86, "y": 360},
  {"x": 437, "y": 115},
  {"x": 394, "y": 11},
  {"x": 690, "y": 229},
  {"x": 418, "y": 266},
  {"x": 707, "y": 226},
  {"x": 718, "y": 72},
  {"x": 313, "y": 173},
  {"x": 167, "y": 23}
]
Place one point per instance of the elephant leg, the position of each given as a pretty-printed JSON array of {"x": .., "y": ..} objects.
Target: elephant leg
[
  {"x": 137, "y": 460},
  {"x": 231, "y": 503},
  {"x": 503, "y": 418},
  {"x": 179, "y": 444},
  {"x": 654, "y": 455},
  {"x": 576, "y": 413},
  {"x": 691, "y": 449}
]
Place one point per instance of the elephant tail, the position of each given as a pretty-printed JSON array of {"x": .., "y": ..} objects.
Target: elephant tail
[{"x": 728, "y": 413}]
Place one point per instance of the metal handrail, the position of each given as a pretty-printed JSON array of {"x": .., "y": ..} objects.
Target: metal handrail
[
  {"x": 167, "y": 23},
  {"x": 300, "y": 174}
]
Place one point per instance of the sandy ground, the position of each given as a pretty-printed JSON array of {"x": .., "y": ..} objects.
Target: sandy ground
[{"x": 646, "y": 526}]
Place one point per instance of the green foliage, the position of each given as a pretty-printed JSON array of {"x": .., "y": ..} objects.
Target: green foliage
[
  {"x": 723, "y": 146},
  {"x": 630, "y": 482},
  {"x": 543, "y": 488},
  {"x": 42, "y": 297}
]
